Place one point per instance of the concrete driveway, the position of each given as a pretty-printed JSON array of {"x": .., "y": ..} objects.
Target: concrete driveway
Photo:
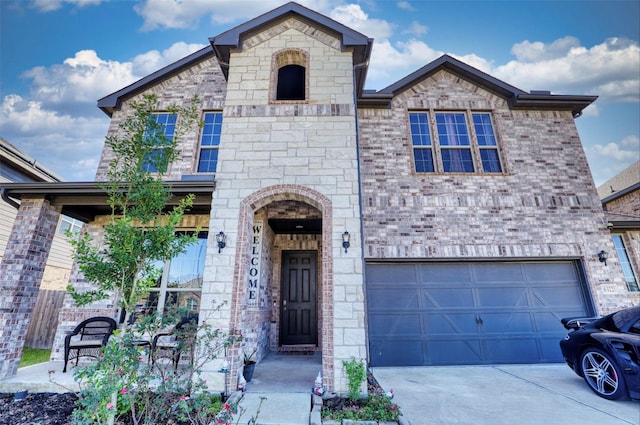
[{"x": 546, "y": 394}]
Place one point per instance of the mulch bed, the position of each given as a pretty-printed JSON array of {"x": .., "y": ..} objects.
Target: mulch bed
[{"x": 37, "y": 408}]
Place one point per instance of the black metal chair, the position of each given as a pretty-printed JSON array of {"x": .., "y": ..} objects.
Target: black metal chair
[
  {"x": 171, "y": 344},
  {"x": 88, "y": 338}
]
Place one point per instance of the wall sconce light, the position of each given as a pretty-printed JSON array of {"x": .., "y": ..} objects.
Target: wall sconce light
[
  {"x": 346, "y": 237},
  {"x": 602, "y": 256},
  {"x": 221, "y": 238}
]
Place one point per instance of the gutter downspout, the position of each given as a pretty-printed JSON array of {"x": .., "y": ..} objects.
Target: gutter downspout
[
  {"x": 5, "y": 197},
  {"x": 355, "y": 106}
]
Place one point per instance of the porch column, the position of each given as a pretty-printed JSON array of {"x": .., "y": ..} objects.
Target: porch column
[{"x": 21, "y": 272}]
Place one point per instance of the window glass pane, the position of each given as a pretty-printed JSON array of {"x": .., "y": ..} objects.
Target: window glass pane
[
  {"x": 167, "y": 127},
  {"x": 208, "y": 161},
  {"x": 452, "y": 129},
  {"x": 490, "y": 161},
  {"x": 420, "y": 135},
  {"x": 211, "y": 129},
  {"x": 187, "y": 269},
  {"x": 291, "y": 83},
  {"x": 424, "y": 160},
  {"x": 457, "y": 161},
  {"x": 184, "y": 300},
  {"x": 627, "y": 271},
  {"x": 209, "y": 142},
  {"x": 484, "y": 130}
]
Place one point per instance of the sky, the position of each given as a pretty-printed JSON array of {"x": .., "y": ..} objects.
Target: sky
[{"x": 58, "y": 57}]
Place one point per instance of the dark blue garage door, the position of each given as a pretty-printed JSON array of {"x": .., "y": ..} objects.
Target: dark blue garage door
[{"x": 470, "y": 313}]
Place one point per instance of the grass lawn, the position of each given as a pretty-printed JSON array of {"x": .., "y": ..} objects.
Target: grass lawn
[{"x": 32, "y": 356}]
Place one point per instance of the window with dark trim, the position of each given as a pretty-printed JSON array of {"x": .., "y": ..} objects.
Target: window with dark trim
[
  {"x": 291, "y": 83},
  {"x": 209, "y": 142},
  {"x": 180, "y": 285},
  {"x": 160, "y": 131},
  {"x": 448, "y": 145},
  {"x": 625, "y": 263}
]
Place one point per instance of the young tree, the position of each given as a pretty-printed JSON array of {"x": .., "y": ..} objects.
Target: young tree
[{"x": 141, "y": 231}]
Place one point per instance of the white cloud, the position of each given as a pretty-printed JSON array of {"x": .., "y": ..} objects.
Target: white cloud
[
  {"x": 607, "y": 160},
  {"x": 51, "y": 5},
  {"x": 354, "y": 17},
  {"x": 610, "y": 69},
  {"x": 148, "y": 62},
  {"x": 159, "y": 14},
  {"x": 406, "y": 6},
  {"x": 416, "y": 28},
  {"x": 68, "y": 145}
]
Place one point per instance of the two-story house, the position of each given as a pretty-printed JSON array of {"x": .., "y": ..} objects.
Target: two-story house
[{"x": 449, "y": 218}]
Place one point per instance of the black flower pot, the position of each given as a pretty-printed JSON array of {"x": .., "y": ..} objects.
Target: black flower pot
[{"x": 247, "y": 372}]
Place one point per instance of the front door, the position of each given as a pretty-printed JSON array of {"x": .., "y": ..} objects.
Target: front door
[{"x": 298, "y": 313}]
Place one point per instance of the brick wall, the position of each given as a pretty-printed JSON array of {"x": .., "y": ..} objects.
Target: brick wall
[{"x": 544, "y": 205}]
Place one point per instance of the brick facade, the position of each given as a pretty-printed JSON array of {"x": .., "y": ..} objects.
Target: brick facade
[{"x": 21, "y": 272}]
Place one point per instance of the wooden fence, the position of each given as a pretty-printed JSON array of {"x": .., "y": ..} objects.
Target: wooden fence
[{"x": 44, "y": 320}]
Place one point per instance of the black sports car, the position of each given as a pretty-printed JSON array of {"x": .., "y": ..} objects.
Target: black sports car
[{"x": 606, "y": 352}]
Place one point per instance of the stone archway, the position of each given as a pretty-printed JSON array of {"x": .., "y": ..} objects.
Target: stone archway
[{"x": 248, "y": 208}]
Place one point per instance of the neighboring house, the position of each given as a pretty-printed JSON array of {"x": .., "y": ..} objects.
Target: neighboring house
[
  {"x": 16, "y": 166},
  {"x": 621, "y": 202},
  {"x": 449, "y": 218}
]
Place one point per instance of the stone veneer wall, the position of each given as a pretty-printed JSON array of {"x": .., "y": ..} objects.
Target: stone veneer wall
[
  {"x": 305, "y": 151},
  {"x": 544, "y": 205}
]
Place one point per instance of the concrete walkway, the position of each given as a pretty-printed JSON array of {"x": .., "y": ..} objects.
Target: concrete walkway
[{"x": 548, "y": 394}]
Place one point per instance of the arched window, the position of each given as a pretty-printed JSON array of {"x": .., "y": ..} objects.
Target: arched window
[
  {"x": 291, "y": 79},
  {"x": 290, "y": 76}
]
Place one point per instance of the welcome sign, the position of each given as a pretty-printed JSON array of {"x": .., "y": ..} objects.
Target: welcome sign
[{"x": 254, "y": 262}]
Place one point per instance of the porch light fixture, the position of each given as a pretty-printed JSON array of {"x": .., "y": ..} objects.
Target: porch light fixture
[
  {"x": 221, "y": 238},
  {"x": 345, "y": 240},
  {"x": 602, "y": 256}
]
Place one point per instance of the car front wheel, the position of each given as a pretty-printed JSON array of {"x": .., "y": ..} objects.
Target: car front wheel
[{"x": 602, "y": 374}]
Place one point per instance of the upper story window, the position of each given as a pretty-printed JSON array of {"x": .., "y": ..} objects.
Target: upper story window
[
  {"x": 290, "y": 75},
  {"x": 161, "y": 129},
  {"x": 209, "y": 142},
  {"x": 455, "y": 147},
  {"x": 625, "y": 263}
]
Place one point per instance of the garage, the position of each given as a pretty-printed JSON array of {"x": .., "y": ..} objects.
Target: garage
[{"x": 471, "y": 312}]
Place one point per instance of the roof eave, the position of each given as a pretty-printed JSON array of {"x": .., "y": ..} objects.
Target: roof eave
[{"x": 575, "y": 103}]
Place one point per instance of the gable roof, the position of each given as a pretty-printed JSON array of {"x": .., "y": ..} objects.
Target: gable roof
[
  {"x": 517, "y": 98},
  {"x": 622, "y": 183},
  {"x": 232, "y": 39}
]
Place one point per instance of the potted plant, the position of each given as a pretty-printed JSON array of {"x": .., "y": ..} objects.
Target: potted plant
[{"x": 249, "y": 365}]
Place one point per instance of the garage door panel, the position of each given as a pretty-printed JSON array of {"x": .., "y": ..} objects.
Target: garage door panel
[
  {"x": 549, "y": 272},
  {"x": 448, "y": 297},
  {"x": 512, "y": 350},
  {"x": 396, "y": 352},
  {"x": 431, "y": 274},
  {"x": 454, "y": 352},
  {"x": 472, "y": 312},
  {"x": 568, "y": 297},
  {"x": 394, "y": 299},
  {"x": 498, "y": 273},
  {"x": 385, "y": 325},
  {"x": 502, "y": 297},
  {"x": 397, "y": 273},
  {"x": 506, "y": 323},
  {"x": 451, "y": 323}
]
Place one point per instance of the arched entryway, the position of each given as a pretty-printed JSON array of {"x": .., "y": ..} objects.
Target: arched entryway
[{"x": 283, "y": 287}]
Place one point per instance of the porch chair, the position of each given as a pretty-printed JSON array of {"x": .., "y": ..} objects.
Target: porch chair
[
  {"x": 172, "y": 343},
  {"x": 88, "y": 338}
]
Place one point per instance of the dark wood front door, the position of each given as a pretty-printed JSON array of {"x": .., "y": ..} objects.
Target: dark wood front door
[{"x": 298, "y": 306}]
